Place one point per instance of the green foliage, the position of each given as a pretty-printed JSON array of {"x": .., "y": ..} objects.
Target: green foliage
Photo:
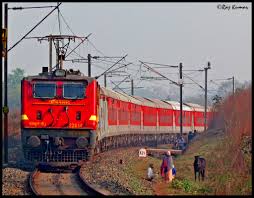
[
  {"x": 184, "y": 184},
  {"x": 187, "y": 185},
  {"x": 14, "y": 87},
  {"x": 204, "y": 190},
  {"x": 190, "y": 187},
  {"x": 177, "y": 184},
  {"x": 14, "y": 78}
]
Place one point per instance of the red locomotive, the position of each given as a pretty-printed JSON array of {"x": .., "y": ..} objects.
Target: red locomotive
[{"x": 67, "y": 117}]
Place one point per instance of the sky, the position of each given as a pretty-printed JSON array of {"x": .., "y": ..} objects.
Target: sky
[{"x": 167, "y": 33}]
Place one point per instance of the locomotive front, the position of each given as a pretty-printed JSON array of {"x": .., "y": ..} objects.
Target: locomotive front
[{"x": 58, "y": 116}]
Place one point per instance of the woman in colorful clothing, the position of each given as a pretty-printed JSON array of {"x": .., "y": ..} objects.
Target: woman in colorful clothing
[{"x": 166, "y": 167}]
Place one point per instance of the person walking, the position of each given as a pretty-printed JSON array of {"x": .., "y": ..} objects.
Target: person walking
[{"x": 166, "y": 167}]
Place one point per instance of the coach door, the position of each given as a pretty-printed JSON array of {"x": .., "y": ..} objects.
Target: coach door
[{"x": 103, "y": 117}]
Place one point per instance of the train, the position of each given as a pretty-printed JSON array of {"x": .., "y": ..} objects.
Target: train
[{"x": 67, "y": 118}]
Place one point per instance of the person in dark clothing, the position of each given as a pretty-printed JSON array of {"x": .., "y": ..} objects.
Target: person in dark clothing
[{"x": 190, "y": 136}]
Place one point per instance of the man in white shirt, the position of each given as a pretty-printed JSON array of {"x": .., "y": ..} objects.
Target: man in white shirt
[{"x": 150, "y": 173}]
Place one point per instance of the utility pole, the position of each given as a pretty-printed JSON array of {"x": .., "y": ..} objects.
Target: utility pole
[
  {"x": 233, "y": 85},
  {"x": 181, "y": 98},
  {"x": 89, "y": 64},
  {"x": 105, "y": 80},
  {"x": 50, "y": 54},
  {"x": 5, "y": 108},
  {"x": 206, "y": 68},
  {"x": 57, "y": 54},
  {"x": 132, "y": 87}
]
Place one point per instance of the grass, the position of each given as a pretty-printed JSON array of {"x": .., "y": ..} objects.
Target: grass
[{"x": 221, "y": 177}]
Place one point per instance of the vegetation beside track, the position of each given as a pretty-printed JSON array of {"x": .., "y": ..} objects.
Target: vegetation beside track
[{"x": 227, "y": 149}]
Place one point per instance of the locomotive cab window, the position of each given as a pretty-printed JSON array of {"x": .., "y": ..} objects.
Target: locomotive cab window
[
  {"x": 44, "y": 90},
  {"x": 74, "y": 90}
]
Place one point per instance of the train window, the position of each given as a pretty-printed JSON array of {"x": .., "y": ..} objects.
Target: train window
[
  {"x": 44, "y": 90},
  {"x": 73, "y": 90}
]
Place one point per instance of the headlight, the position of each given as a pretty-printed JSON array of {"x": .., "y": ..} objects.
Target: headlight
[
  {"x": 34, "y": 141},
  {"x": 82, "y": 142}
]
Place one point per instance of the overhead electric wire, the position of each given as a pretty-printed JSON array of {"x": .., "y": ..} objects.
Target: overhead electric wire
[
  {"x": 111, "y": 67},
  {"x": 34, "y": 27},
  {"x": 150, "y": 68},
  {"x": 121, "y": 81},
  {"x": 86, "y": 38},
  {"x": 108, "y": 61},
  {"x": 66, "y": 23},
  {"x": 116, "y": 86},
  {"x": 218, "y": 85},
  {"x": 82, "y": 40},
  {"x": 175, "y": 66},
  {"x": 59, "y": 21},
  {"x": 194, "y": 81},
  {"x": 23, "y": 8},
  {"x": 222, "y": 79},
  {"x": 95, "y": 47}
]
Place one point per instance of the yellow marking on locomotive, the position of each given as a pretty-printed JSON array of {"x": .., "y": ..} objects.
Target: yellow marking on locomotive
[
  {"x": 24, "y": 117},
  {"x": 40, "y": 103},
  {"x": 60, "y": 102},
  {"x": 37, "y": 124},
  {"x": 75, "y": 125}
]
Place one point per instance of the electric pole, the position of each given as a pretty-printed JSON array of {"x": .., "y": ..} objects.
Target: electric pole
[
  {"x": 132, "y": 87},
  {"x": 181, "y": 98},
  {"x": 5, "y": 108},
  {"x": 50, "y": 54},
  {"x": 89, "y": 64},
  {"x": 233, "y": 85},
  {"x": 105, "y": 80},
  {"x": 206, "y": 68},
  {"x": 57, "y": 54}
]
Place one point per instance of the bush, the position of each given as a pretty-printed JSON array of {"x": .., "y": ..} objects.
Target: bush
[
  {"x": 177, "y": 184},
  {"x": 185, "y": 185}
]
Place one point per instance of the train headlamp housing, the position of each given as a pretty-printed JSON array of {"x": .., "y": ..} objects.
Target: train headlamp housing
[{"x": 60, "y": 73}]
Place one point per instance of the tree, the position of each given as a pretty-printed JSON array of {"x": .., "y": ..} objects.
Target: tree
[
  {"x": 14, "y": 79},
  {"x": 216, "y": 101},
  {"x": 14, "y": 87}
]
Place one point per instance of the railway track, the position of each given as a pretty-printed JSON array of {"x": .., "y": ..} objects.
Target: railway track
[{"x": 52, "y": 183}]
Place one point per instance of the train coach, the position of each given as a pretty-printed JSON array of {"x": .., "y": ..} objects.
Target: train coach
[{"x": 67, "y": 117}]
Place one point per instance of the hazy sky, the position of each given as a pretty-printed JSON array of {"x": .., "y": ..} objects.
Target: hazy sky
[{"x": 169, "y": 33}]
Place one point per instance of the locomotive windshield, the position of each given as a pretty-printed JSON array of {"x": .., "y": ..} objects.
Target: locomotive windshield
[
  {"x": 44, "y": 90},
  {"x": 74, "y": 90}
]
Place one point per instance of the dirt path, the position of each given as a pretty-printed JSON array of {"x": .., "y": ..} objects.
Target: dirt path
[{"x": 160, "y": 188}]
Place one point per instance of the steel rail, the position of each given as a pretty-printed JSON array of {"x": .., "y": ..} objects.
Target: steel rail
[{"x": 62, "y": 185}]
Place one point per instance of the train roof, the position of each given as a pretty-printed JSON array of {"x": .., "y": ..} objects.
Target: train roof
[
  {"x": 146, "y": 101},
  {"x": 50, "y": 76},
  {"x": 131, "y": 98},
  {"x": 196, "y": 107},
  {"x": 111, "y": 93},
  {"x": 162, "y": 104},
  {"x": 151, "y": 102},
  {"x": 176, "y": 105},
  {"x": 120, "y": 96}
]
